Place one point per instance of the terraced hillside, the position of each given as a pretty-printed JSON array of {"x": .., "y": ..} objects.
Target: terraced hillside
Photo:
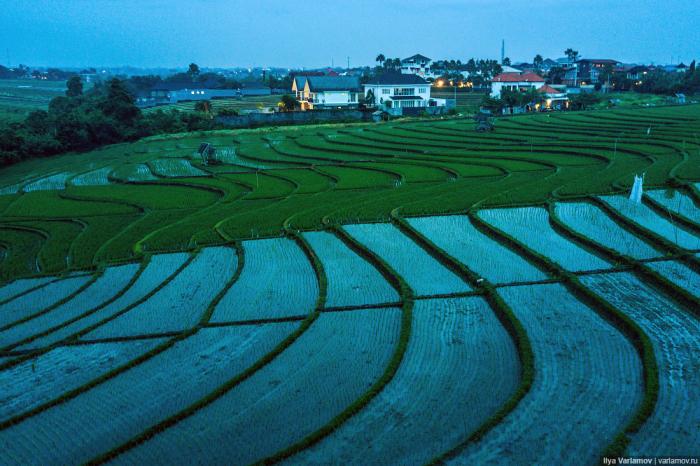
[
  {"x": 155, "y": 195},
  {"x": 407, "y": 293}
]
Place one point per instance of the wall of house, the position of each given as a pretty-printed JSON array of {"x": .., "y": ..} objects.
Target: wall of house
[
  {"x": 421, "y": 90},
  {"x": 419, "y": 69},
  {"x": 335, "y": 98},
  {"x": 497, "y": 87}
]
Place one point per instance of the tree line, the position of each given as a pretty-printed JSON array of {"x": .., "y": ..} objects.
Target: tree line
[{"x": 80, "y": 121}]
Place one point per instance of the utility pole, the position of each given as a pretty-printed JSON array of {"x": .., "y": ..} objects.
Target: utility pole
[
  {"x": 348, "y": 64},
  {"x": 503, "y": 50}
]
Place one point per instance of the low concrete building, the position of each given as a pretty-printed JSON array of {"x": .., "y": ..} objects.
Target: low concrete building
[{"x": 172, "y": 93}]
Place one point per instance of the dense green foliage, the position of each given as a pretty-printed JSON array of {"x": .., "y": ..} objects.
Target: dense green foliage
[{"x": 80, "y": 121}]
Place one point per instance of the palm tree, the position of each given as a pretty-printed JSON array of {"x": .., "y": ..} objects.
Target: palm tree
[
  {"x": 538, "y": 61},
  {"x": 571, "y": 54},
  {"x": 380, "y": 59}
]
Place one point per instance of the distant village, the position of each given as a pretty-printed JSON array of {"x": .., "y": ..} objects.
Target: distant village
[
  {"x": 420, "y": 85},
  {"x": 398, "y": 87}
]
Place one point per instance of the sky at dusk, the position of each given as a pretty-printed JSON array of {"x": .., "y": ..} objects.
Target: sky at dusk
[{"x": 315, "y": 33}]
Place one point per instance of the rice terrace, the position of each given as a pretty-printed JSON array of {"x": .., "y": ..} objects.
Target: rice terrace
[{"x": 405, "y": 292}]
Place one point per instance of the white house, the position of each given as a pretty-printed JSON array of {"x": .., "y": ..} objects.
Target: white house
[
  {"x": 393, "y": 91},
  {"x": 327, "y": 91},
  {"x": 417, "y": 64},
  {"x": 520, "y": 82}
]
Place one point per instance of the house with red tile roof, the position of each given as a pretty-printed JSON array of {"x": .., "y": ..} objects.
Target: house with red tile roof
[{"x": 520, "y": 82}]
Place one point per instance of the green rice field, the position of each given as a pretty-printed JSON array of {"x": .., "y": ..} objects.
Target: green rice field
[
  {"x": 239, "y": 105},
  {"x": 19, "y": 97}
]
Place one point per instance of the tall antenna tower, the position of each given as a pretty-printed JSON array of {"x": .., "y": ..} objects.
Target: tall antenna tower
[{"x": 503, "y": 50}]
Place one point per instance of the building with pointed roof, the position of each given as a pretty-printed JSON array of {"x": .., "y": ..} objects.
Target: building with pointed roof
[
  {"x": 417, "y": 64},
  {"x": 318, "y": 92}
]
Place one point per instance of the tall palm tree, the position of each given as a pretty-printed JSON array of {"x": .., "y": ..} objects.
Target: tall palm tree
[
  {"x": 380, "y": 59},
  {"x": 571, "y": 54},
  {"x": 538, "y": 61}
]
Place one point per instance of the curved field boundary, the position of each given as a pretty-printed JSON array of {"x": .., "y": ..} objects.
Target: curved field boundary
[
  {"x": 627, "y": 326},
  {"x": 351, "y": 279},
  {"x": 642, "y": 215},
  {"x": 591, "y": 222},
  {"x": 69, "y": 395},
  {"x": 37, "y": 381},
  {"x": 642, "y": 269},
  {"x": 277, "y": 281},
  {"x": 477, "y": 156},
  {"x": 181, "y": 303},
  {"x": 51, "y": 182},
  {"x": 585, "y": 370},
  {"x": 436, "y": 397},
  {"x": 654, "y": 237},
  {"x": 120, "y": 300},
  {"x": 253, "y": 419},
  {"x": 149, "y": 284},
  {"x": 530, "y": 225},
  {"x": 424, "y": 274},
  {"x": 143, "y": 396},
  {"x": 231, "y": 384},
  {"x": 498, "y": 149},
  {"x": 133, "y": 172},
  {"x": 96, "y": 177},
  {"x": 505, "y": 316},
  {"x": 680, "y": 274},
  {"x": 407, "y": 296},
  {"x": 17, "y": 288},
  {"x": 678, "y": 207},
  {"x": 457, "y": 236},
  {"x": 674, "y": 335},
  {"x": 42, "y": 300},
  {"x": 104, "y": 289},
  {"x": 21, "y": 256}
]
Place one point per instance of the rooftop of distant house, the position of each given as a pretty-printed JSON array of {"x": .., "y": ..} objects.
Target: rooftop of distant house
[
  {"x": 397, "y": 78},
  {"x": 518, "y": 78},
  {"x": 549, "y": 90},
  {"x": 415, "y": 58},
  {"x": 601, "y": 61},
  {"x": 333, "y": 83}
]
